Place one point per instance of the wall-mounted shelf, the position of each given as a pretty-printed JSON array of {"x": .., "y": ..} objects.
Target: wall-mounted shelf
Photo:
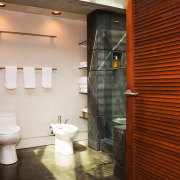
[
  {"x": 83, "y": 117},
  {"x": 83, "y": 43},
  {"x": 28, "y": 34},
  {"x": 83, "y": 67},
  {"x": 112, "y": 69},
  {"x": 82, "y": 93},
  {"x": 118, "y": 68},
  {"x": 21, "y": 68}
]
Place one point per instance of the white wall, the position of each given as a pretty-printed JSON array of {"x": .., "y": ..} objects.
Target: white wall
[{"x": 36, "y": 108}]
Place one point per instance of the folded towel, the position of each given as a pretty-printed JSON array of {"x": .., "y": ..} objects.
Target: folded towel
[
  {"x": 83, "y": 86},
  {"x": 10, "y": 77},
  {"x": 83, "y": 90},
  {"x": 83, "y": 66},
  {"x": 83, "y": 63},
  {"x": 29, "y": 77},
  {"x": 46, "y": 77},
  {"x": 83, "y": 80}
]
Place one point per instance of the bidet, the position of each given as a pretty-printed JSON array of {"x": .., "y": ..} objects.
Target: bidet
[{"x": 64, "y": 136}]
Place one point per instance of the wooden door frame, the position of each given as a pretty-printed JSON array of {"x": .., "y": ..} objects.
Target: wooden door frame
[{"x": 130, "y": 85}]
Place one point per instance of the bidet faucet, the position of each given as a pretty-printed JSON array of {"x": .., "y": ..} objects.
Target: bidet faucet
[
  {"x": 59, "y": 120},
  {"x": 65, "y": 121}
]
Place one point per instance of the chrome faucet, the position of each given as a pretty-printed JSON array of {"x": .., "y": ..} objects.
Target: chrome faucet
[
  {"x": 59, "y": 120},
  {"x": 65, "y": 121}
]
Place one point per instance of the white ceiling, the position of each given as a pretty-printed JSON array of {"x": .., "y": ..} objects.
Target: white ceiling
[{"x": 73, "y": 9}]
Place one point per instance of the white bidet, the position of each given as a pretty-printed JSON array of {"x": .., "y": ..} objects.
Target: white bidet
[{"x": 64, "y": 135}]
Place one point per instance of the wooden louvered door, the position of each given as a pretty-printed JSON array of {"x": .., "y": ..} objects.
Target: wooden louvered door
[{"x": 153, "y": 71}]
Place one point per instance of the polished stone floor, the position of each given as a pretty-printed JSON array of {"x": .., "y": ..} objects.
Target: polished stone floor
[{"x": 43, "y": 163}]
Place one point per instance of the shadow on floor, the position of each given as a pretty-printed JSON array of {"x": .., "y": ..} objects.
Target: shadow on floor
[
  {"x": 91, "y": 165},
  {"x": 78, "y": 147},
  {"x": 28, "y": 167},
  {"x": 43, "y": 163}
]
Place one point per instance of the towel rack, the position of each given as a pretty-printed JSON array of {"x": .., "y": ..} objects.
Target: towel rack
[
  {"x": 20, "y": 68},
  {"x": 28, "y": 34}
]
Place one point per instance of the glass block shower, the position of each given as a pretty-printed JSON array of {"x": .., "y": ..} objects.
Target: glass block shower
[{"x": 106, "y": 45}]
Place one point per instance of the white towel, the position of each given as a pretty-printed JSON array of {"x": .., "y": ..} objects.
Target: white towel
[
  {"x": 83, "y": 86},
  {"x": 29, "y": 77},
  {"x": 83, "y": 80},
  {"x": 11, "y": 77},
  {"x": 83, "y": 63},
  {"x": 46, "y": 77},
  {"x": 83, "y": 90}
]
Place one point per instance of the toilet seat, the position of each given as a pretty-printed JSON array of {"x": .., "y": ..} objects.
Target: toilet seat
[{"x": 4, "y": 131}]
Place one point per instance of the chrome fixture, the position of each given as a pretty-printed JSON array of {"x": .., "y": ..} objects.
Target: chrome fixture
[
  {"x": 59, "y": 120},
  {"x": 65, "y": 121},
  {"x": 129, "y": 93}
]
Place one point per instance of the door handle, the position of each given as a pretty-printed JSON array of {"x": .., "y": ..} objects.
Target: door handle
[{"x": 129, "y": 93}]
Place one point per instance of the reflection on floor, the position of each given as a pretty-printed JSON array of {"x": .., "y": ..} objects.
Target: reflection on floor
[{"x": 43, "y": 163}]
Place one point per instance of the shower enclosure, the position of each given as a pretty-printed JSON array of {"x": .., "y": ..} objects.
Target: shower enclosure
[{"x": 106, "y": 44}]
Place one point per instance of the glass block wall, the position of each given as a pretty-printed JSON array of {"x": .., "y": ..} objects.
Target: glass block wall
[{"x": 106, "y": 38}]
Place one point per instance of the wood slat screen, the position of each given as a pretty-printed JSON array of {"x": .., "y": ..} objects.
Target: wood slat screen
[{"x": 156, "y": 130}]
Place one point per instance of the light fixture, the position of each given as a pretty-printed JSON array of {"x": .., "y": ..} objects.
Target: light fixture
[
  {"x": 2, "y": 5},
  {"x": 56, "y": 13},
  {"x": 116, "y": 21}
]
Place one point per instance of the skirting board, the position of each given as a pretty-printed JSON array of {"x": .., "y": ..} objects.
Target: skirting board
[{"x": 46, "y": 140}]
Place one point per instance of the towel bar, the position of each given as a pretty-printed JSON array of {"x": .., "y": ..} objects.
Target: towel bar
[{"x": 20, "y": 68}]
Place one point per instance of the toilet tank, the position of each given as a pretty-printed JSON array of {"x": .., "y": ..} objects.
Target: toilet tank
[{"x": 7, "y": 119}]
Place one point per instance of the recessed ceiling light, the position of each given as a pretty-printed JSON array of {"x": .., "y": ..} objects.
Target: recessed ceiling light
[
  {"x": 2, "y": 5},
  {"x": 56, "y": 13},
  {"x": 116, "y": 21}
]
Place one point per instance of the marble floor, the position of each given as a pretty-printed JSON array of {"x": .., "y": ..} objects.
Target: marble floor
[{"x": 43, "y": 163}]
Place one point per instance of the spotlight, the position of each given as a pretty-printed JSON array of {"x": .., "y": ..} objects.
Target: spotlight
[
  {"x": 2, "y": 5},
  {"x": 56, "y": 13},
  {"x": 116, "y": 21}
]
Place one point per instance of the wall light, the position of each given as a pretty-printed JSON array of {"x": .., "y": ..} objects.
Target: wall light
[
  {"x": 116, "y": 21},
  {"x": 2, "y": 5},
  {"x": 56, "y": 13}
]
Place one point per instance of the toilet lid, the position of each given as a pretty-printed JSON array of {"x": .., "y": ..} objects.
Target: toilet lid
[{"x": 9, "y": 130}]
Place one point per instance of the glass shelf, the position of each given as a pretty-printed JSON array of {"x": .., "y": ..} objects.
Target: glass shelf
[
  {"x": 82, "y": 93},
  {"x": 112, "y": 69},
  {"x": 118, "y": 68},
  {"x": 83, "y": 43},
  {"x": 82, "y": 67},
  {"x": 83, "y": 117}
]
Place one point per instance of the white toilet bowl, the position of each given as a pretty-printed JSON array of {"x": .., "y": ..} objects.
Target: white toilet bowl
[
  {"x": 64, "y": 135},
  {"x": 9, "y": 137}
]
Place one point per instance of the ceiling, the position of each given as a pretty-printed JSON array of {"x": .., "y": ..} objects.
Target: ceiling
[{"x": 79, "y": 7}]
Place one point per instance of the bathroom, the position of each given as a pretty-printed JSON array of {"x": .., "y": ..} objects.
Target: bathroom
[
  {"x": 37, "y": 108},
  {"x": 55, "y": 41}
]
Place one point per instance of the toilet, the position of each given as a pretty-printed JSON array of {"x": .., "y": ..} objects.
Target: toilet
[
  {"x": 9, "y": 138},
  {"x": 64, "y": 136}
]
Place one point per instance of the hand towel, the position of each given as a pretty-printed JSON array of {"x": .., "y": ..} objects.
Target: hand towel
[
  {"x": 83, "y": 80},
  {"x": 83, "y": 90},
  {"x": 46, "y": 77},
  {"x": 11, "y": 77},
  {"x": 29, "y": 77},
  {"x": 83, "y": 86},
  {"x": 83, "y": 64}
]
